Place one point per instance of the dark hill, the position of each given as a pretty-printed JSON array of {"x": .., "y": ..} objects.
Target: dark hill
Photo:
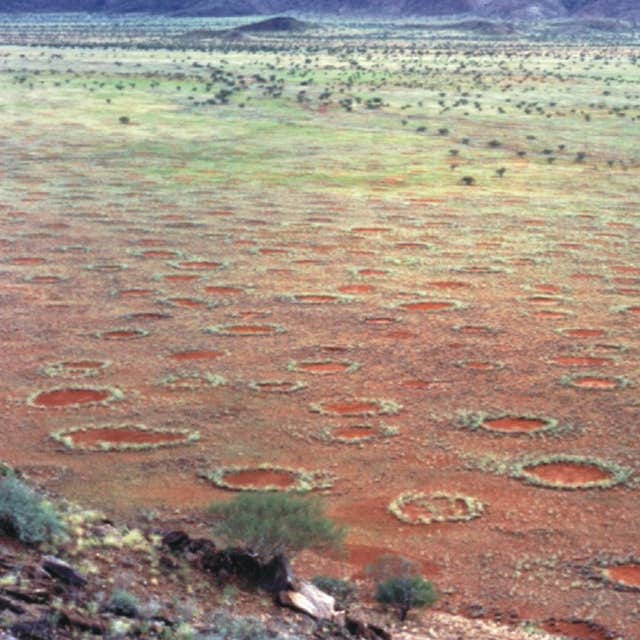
[{"x": 280, "y": 23}]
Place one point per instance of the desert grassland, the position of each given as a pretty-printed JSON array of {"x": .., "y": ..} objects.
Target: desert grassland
[{"x": 379, "y": 169}]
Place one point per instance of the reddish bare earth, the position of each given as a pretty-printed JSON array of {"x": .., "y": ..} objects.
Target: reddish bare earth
[{"x": 324, "y": 303}]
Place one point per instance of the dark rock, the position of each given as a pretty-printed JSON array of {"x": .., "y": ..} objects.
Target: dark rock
[
  {"x": 201, "y": 545},
  {"x": 63, "y": 571},
  {"x": 176, "y": 540},
  {"x": 75, "y": 620},
  {"x": 476, "y": 611},
  {"x": 30, "y": 596},
  {"x": 277, "y": 575},
  {"x": 367, "y": 631},
  {"x": 34, "y": 630},
  {"x": 7, "y": 604},
  {"x": 234, "y": 562}
]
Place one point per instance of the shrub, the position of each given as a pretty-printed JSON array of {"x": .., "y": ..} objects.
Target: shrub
[
  {"x": 405, "y": 593},
  {"x": 342, "y": 590},
  {"x": 228, "y": 627},
  {"x": 276, "y": 523},
  {"x": 26, "y": 515},
  {"x": 123, "y": 603}
]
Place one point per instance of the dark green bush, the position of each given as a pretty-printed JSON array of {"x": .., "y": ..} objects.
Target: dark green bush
[
  {"x": 276, "y": 523},
  {"x": 405, "y": 593},
  {"x": 123, "y": 603},
  {"x": 25, "y": 515}
]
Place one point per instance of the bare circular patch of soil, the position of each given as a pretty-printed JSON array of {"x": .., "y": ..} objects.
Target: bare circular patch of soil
[
  {"x": 27, "y": 261},
  {"x": 416, "y": 507},
  {"x": 45, "y": 279},
  {"x": 147, "y": 316},
  {"x": 356, "y": 407},
  {"x": 106, "y": 267},
  {"x": 246, "y": 330},
  {"x": 268, "y": 477},
  {"x": 123, "y": 437},
  {"x": 163, "y": 254},
  {"x": 511, "y": 424},
  {"x": 316, "y": 298},
  {"x": 187, "y": 303},
  {"x": 122, "y": 334},
  {"x": 197, "y": 265},
  {"x": 448, "y": 284},
  {"x": 583, "y": 333},
  {"x": 277, "y": 386},
  {"x": 547, "y": 314},
  {"x": 356, "y": 289},
  {"x": 475, "y": 330},
  {"x": 181, "y": 277},
  {"x": 324, "y": 367},
  {"x": 136, "y": 293},
  {"x": 196, "y": 354},
  {"x": 626, "y": 575},
  {"x": 76, "y": 368},
  {"x": 596, "y": 383},
  {"x": 366, "y": 273},
  {"x": 68, "y": 397},
  {"x": 570, "y": 472},
  {"x": 381, "y": 320}
]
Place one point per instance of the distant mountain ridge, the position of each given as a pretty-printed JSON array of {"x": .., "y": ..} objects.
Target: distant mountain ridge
[{"x": 505, "y": 9}]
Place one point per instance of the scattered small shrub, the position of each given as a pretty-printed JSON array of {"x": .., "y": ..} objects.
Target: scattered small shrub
[
  {"x": 124, "y": 120},
  {"x": 275, "y": 523},
  {"x": 25, "y": 515},
  {"x": 405, "y": 593},
  {"x": 228, "y": 627},
  {"x": 123, "y": 603}
]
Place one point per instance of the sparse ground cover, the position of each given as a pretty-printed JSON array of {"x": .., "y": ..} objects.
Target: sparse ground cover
[{"x": 434, "y": 222}]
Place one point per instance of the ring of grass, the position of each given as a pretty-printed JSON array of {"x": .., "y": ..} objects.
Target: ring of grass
[
  {"x": 474, "y": 507},
  {"x": 292, "y": 387},
  {"x": 178, "y": 264},
  {"x": 59, "y": 369},
  {"x": 351, "y": 367},
  {"x": 192, "y": 381},
  {"x": 224, "y": 330},
  {"x": 137, "y": 333},
  {"x": 63, "y": 436},
  {"x": 476, "y": 421},
  {"x": 617, "y": 473},
  {"x": 116, "y": 395},
  {"x": 570, "y": 381},
  {"x": 456, "y": 305},
  {"x": 37, "y": 278},
  {"x": 335, "y": 298},
  {"x": 384, "y": 407},
  {"x": 371, "y": 433},
  {"x": 304, "y": 480},
  {"x": 598, "y": 571}
]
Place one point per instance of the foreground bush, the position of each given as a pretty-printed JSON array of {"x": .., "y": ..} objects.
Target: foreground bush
[
  {"x": 228, "y": 627},
  {"x": 342, "y": 590},
  {"x": 271, "y": 524},
  {"x": 26, "y": 515},
  {"x": 405, "y": 593}
]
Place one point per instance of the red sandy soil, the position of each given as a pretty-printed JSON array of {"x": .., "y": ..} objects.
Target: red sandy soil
[
  {"x": 353, "y": 433},
  {"x": 568, "y": 473},
  {"x": 627, "y": 574},
  {"x": 412, "y": 359},
  {"x": 257, "y": 478},
  {"x": 69, "y": 397},
  {"x": 124, "y": 435},
  {"x": 591, "y": 382},
  {"x": 514, "y": 425}
]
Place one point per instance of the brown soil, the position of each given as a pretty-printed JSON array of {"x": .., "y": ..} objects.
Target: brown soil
[
  {"x": 571, "y": 474},
  {"x": 260, "y": 478},
  {"x": 626, "y": 574},
  {"x": 350, "y": 408},
  {"x": 70, "y": 397},
  {"x": 187, "y": 356},
  {"x": 136, "y": 293},
  {"x": 550, "y": 315},
  {"x": 514, "y": 425},
  {"x": 479, "y": 365},
  {"x": 199, "y": 265},
  {"x": 224, "y": 290},
  {"x": 122, "y": 436},
  {"x": 353, "y": 433}
]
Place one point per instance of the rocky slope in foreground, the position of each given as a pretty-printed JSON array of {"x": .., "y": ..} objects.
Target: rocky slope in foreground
[{"x": 507, "y": 9}]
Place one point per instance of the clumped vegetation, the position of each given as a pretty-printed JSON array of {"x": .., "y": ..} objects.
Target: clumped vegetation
[
  {"x": 271, "y": 524},
  {"x": 26, "y": 515}
]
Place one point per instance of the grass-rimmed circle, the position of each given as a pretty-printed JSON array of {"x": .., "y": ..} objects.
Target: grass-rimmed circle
[
  {"x": 80, "y": 368},
  {"x": 516, "y": 424},
  {"x": 316, "y": 298},
  {"x": 301, "y": 480},
  {"x": 438, "y": 507},
  {"x": 611, "y": 474},
  {"x": 356, "y": 433},
  {"x": 323, "y": 367},
  {"x": 622, "y": 573},
  {"x": 436, "y": 305},
  {"x": 356, "y": 407},
  {"x": 245, "y": 330},
  {"x": 121, "y": 333},
  {"x": 71, "y": 397},
  {"x": 150, "y": 437},
  {"x": 595, "y": 382},
  {"x": 277, "y": 386}
]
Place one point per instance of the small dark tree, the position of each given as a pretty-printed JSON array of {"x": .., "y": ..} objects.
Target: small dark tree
[
  {"x": 271, "y": 524},
  {"x": 406, "y": 593}
]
